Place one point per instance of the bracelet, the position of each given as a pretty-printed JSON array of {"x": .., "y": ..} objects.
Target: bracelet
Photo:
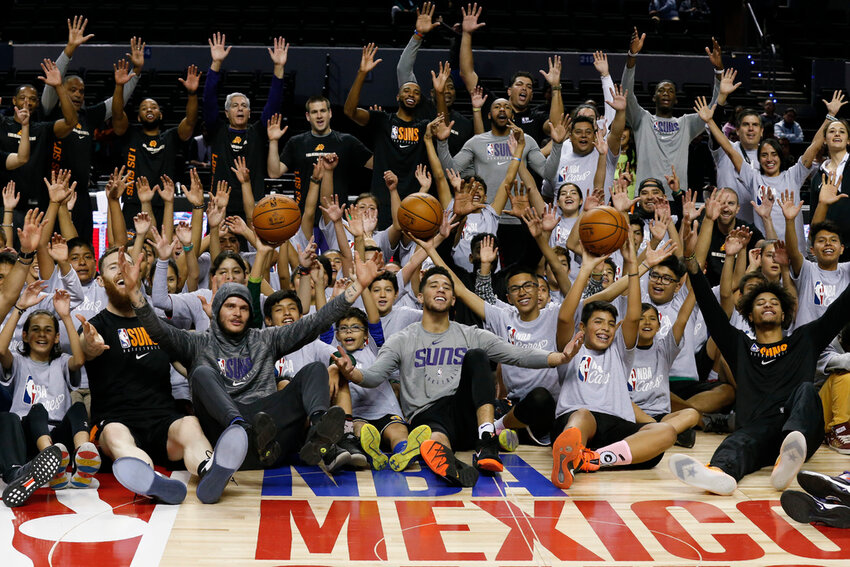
[
  {"x": 198, "y": 207},
  {"x": 644, "y": 264},
  {"x": 634, "y": 274},
  {"x": 316, "y": 181},
  {"x": 20, "y": 311},
  {"x": 718, "y": 71},
  {"x": 7, "y": 225},
  {"x": 26, "y": 255},
  {"x": 189, "y": 247},
  {"x": 632, "y": 54},
  {"x": 831, "y": 118},
  {"x": 557, "y": 87},
  {"x": 691, "y": 257},
  {"x": 516, "y": 158},
  {"x": 418, "y": 34},
  {"x": 303, "y": 271},
  {"x": 476, "y": 110}
]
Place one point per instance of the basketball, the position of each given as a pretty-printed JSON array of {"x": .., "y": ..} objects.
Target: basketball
[
  {"x": 603, "y": 230},
  {"x": 420, "y": 214},
  {"x": 276, "y": 219}
]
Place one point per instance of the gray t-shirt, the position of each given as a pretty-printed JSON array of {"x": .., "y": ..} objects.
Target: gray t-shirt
[
  {"x": 289, "y": 364},
  {"x": 817, "y": 289},
  {"x": 371, "y": 403},
  {"x": 485, "y": 221},
  {"x": 430, "y": 363},
  {"x": 539, "y": 333},
  {"x": 649, "y": 380},
  {"x": 728, "y": 177},
  {"x": 580, "y": 170},
  {"x": 597, "y": 380},
  {"x": 45, "y": 383}
]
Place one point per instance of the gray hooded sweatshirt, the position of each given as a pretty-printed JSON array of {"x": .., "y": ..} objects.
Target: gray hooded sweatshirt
[{"x": 245, "y": 362}]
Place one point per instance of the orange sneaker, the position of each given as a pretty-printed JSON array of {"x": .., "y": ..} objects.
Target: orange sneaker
[
  {"x": 566, "y": 450},
  {"x": 443, "y": 463},
  {"x": 588, "y": 461}
]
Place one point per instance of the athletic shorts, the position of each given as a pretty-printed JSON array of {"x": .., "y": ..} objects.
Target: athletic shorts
[
  {"x": 383, "y": 422},
  {"x": 609, "y": 428},
  {"x": 689, "y": 388},
  {"x": 151, "y": 437}
]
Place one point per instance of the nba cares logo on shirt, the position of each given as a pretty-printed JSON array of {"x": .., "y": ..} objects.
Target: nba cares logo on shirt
[
  {"x": 632, "y": 380},
  {"x": 823, "y": 293},
  {"x": 33, "y": 393},
  {"x": 584, "y": 368}
]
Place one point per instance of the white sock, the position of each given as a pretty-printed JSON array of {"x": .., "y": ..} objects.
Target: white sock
[
  {"x": 500, "y": 425},
  {"x": 713, "y": 376},
  {"x": 486, "y": 428}
]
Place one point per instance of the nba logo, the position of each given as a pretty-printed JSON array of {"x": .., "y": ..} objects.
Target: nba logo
[
  {"x": 124, "y": 338},
  {"x": 820, "y": 293},
  {"x": 511, "y": 335},
  {"x": 221, "y": 365},
  {"x": 394, "y": 133},
  {"x": 491, "y": 151},
  {"x": 30, "y": 393},
  {"x": 584, "y": 368},
  {"x": 632, "y": 380}
]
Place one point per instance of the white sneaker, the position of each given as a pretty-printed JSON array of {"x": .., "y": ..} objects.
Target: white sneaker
[
  {"x": 792, "y": 455},
  {"x": 692, "y": 472}
]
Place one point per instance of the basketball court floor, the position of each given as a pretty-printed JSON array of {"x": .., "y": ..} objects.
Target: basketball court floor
[{"x": 298, "y": 516}]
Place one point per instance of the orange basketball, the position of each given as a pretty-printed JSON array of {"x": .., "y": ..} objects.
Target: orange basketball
[
  {"x": 276, "y": 219},
  {"x": 420, "y": 214},
  {"x": 603, "y": 230}
]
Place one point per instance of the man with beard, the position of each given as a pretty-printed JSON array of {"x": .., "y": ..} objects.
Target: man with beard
[
  {"x": 136, "y": 419},
  {"x": 149, "y": 151},
  {"x": 302, "y": 152},
  {"x": 75, "y": 151},
  {"x": 661, "y": 140},
  {"x": 398, "y": 137},
  {"x": 521, "y": 88},
  {"x": 462, "y": 129},
  {"x": 235, "y": 137},
  {"x": 28, "y": 177}
]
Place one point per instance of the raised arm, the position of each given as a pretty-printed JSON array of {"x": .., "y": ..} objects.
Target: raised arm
[
  {"x": 706, "y": 112},
  {"x": 218, "y": 53},
  {"x": 29, "y": 237},
  {"x": 424, "y": 24},
  {"x": 829, "y": 195},
  {"x": 58, "y": 190},
  {"x": 62, "y": 306},
  {"x": 735, "y": 243},
  {"x": 537, "y": 226},
  {"x": 478, "y": 99},
  {"x": 76, "y": 37},
  {"x": 274, "y": 132},
  {"x": 22, "y": 156},
  {"x": 10, "y": 201},
  {"x": 567, "y": 312},
  {"x": 439, "y": 80},
  {"x": 790, "y": 210},
  {"x": 516, "y": 142},
  {"x": 768, "y": 198},
  {"x": 195, "y": 196},
  {"x": 165, "y": 190},
  {"x": 618, "y": 103},
  {"x": 53, "y": 78},
  {"x": 120, "y": 122},
  {"x": 706, "y": 229},
  {"x": 553, "y": 77},
  {"x": 468, "y": 26},
  {"x": 243, "y": 174},
  {"x": 187, "y": 126},
  {"x": 631, "y": 321},
  {"x": 444, "y": 192},
  {"x": 30, "y": 297},
  {"x": 832, "y": 108},
  {"x": 600, "y": 63},
  {"x": 367, "y": 64}
]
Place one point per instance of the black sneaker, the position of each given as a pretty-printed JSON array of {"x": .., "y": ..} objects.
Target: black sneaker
[
  {"x": 229, "y": 453},
  {"x": 322, "y": 435},
  {"x": 687, "y": 438},
  {"x": 265, "y": 432},
  {"x": 808, "y": 509},
  {"x": 350, "y": 443},
  {"x": 486, "y": 456},
  {"x": 335, "y": 457},
  {"x": 443, "y": 463},
  {"x": 32, "y": 476},
  {"x": 718, "y": 422},
  {"x": 826, "y": 487}
]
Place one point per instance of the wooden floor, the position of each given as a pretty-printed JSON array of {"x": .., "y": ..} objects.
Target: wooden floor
[{"x": 298, "y": 516}]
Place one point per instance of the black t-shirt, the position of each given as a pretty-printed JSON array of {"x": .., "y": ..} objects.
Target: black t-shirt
[
  {"x": 716, "y": 253},
  {"x": 151, "y": 156},
  {"x": 74, "y": 152},
  {"x": 398, "y": 148},
  {"x": 29, "y": 178},
  {"x": 302, "y": 151},
  {"x": 130, "y": 382},
  {"x": 228, "y": 144}
]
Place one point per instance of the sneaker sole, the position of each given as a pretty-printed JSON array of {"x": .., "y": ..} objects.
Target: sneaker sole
[
  {"x": 86, "y": 464},
  {"x": 841, "y": 450},
  {"x": 136, "y": 476},
  {"x": 328, "y": 431},
  {"x": 565, "y": 450},
  {"x": 265, "y": 432},
  {"x": 370, "y": 441},
  {"x": 693, "y": 473},
  {"x": 792, "y": 455},
  {"x": 59, "y": 481},
  {"x": 824, "y": 486},
  {"x": 806, "y": 510},
  {"x": 43, "y": 467},
  {"x": 489, "y": 465},
  {"x": 440, "y": 460},
  {"x": 508, "y": 440},
  {"x": 342, "y": 458},
  {"x": 228, "y": 455},
  {"x": 415, "y": 438}
]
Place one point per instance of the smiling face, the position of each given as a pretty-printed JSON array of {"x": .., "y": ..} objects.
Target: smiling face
[
  {"x": 523, "y": 292},
  {"x": 113, "y": 281},
  {"x": 501, "y": 113},
  {"x": 599, "y": 330},
  {"x": 319, "y": 116},
  {"x": 409, "y": 96},
  {"x": 150, "y": 114},
  {"x": 648, "y": 195},
  {"x": 476, "y": 188},
  {"x": 648, "y": 327},
  {"x": 728, "y": 206},
  {"x": 836, "y": 136},
  {"x": 827, "y": 248},
  {"x": 284, "y": 312},
  {"x": 234, "y": 314},
  {"x": 228, "y": 242},
  {"x": 770, "y": 160},
  {"x": 384, "y": 294},
  {"x": 76, "y": 89},
  {"x": 521, "y": 92},
  {"x": 569, "y": 200},
  {"x": 41, "y": 336},
  {"x": 83, "y": 262},
  {"x": 26, "y": 97},
  {"x": 351, "y": 334},
  {"x": 665, "y": 96},
  {"x": 238, "y": 112},
  {"x": 663, "y": 283},
  {"x": 581, "y": 136},
  {"x": 438, "y": 294},
  {"x": 767, "y": 311},
  {"x": 769, "y": 267},
  {"x": 335, "y": 258}
]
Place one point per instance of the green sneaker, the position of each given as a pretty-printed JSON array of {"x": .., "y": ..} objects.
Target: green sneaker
[
  {"x": 370, "y": 440},
  {"x": 399, "y": 461},
  {"x": 508, "y": 440}
]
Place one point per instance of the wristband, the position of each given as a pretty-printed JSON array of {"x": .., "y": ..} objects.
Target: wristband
[
  {"x": 634, "y": 274},
  {"x": 198, "y": 207},
  {"x": 189, "y": 247},
  {"x": 718, "y": 71},
  {"x": 557, "y": 87},
  {"x": 644, "y": 264},
  {"x": 691, "y": 257},
  {"x": 476, "y": 110},
  {"x": 831, "y": 118},
  {"x": 418, "y": 34},
  {"x": 303, "y": 271},
  {"x": 253, "y": 280},
  {"x": 26, "y": 255},
  {"x": 7, "y": 225},
  {"x": 632, "y": 54},
  {"x": 516, "y": 158},
  {"x": 316, "y": 181},
  {"x": 20, "y": 311}
]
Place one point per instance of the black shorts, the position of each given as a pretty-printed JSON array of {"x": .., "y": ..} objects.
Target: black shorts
[
  {"x": 460, "y": 425},
  {"x": 704, "y": 362},
  {"x": 609, "y": 428},
  {"x": 502, "y": 407},
  {"x": 151, "y": 437},
  {"x": 689, "y": 388},
  {"x": 383, "y": 422}
]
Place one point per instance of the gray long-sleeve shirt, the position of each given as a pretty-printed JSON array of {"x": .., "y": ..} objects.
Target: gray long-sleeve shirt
[
  {"x": 430, "y": 363},
  {"x": 49, "y": 99},
  {"x": 661, "y": 143},
  {"x": 404, "y": 69},
  {"x": 488, "y": 156}
]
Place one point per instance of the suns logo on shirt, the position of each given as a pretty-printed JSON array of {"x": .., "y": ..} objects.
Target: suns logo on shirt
[
  {"x": 135, "y": 337},
  {"x": 584, "y": 367},
  {"x": 319, "y": 148},
  {"x": 153, "y": 147},
  {"x": 632, "y": 382},
  {"x": 236, "y": 144}
]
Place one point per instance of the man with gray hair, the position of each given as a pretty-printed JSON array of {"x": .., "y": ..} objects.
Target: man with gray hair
[{"x": 236, "y": 137}]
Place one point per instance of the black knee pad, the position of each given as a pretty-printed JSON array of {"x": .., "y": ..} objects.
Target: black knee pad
[{"x": 537, "y": 409}]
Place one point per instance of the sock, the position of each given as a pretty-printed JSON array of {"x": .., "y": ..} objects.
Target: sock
[
  {"x": 237, "y": 420},
  {"x": 615, "y": 454},
  {"x": 348, "y": 427},
  {"x": 500, "y": 425},
  {"x": 400, "y": 447},
  {"x": 713, "y": 376},
  {"x": 486, "y": 428},
  {"x": 316, "y": 416}
]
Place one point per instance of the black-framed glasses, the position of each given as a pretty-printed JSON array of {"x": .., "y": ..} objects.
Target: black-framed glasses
[
  {"x": 664, "y": 279},
  {"x": 350, "y": 328},
  {"x": 527, "y": 287}
]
